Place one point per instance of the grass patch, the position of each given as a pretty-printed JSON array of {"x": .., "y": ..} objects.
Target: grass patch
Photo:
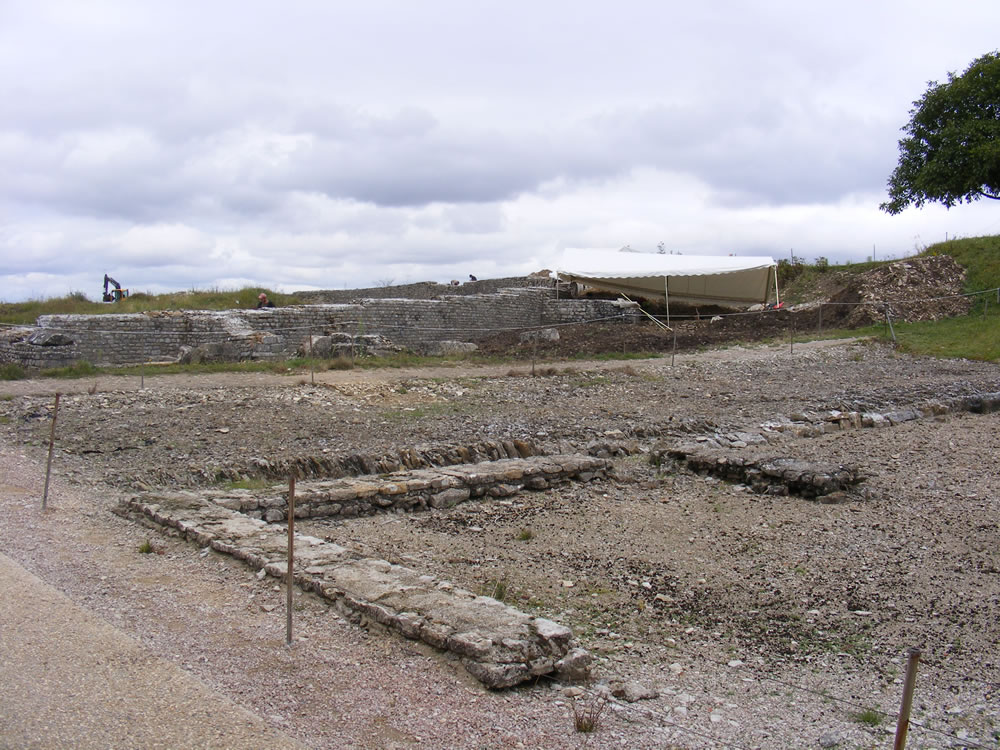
[
  {"x": 870, "y": 717},
  {"x": 591, "y": 382},
  {"x": 525, "y": 535},
  {"x": 972, "y": 337},
  {"x": 12, "y": 371},
  {"x": 81, "y": 369},
  {"x": 146, "y": 548}
]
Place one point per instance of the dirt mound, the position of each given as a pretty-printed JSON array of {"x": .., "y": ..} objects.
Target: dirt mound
[{"x": 927, "y": 288}]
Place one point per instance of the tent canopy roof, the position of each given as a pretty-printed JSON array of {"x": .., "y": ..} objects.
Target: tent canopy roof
[{"x": 696, "y": 279}]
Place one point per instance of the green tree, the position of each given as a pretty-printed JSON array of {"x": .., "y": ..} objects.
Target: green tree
[{"x": 951, "y": 152}]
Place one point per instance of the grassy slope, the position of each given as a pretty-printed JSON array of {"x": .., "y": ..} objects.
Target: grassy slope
[{"x": 976, "y": 336}]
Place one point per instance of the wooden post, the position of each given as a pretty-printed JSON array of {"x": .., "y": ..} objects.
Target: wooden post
[
  {"x": 312, "y": 361},
  {"x": 791, "y": 334},
  {"x": 903, "y": 722},
  {"x": 52, "y": 442},
  {"x": 290, "y": 578},
  {"x": 674, "y": 350},
  {"x": 821, "y": 317}
]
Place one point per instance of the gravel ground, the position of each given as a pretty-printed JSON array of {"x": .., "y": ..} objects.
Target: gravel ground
[{"x": 759, "y": 621}]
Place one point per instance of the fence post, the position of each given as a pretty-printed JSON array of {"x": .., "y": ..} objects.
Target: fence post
[
  {"x": 821, "y": 317},
  {"x": 791, "y": 334},
  {"x": 290, "y": 573},
  {"x": 903, "y": 722},
  {"x": 52, "y": 442}
]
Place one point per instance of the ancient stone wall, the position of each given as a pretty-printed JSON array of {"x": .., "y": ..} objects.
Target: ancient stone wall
[
  {"x": 421, "y": 290},
  {"x": 59, "y": 340}
]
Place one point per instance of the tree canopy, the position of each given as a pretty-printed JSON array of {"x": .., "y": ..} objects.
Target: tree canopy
[{"x": 951, "y": 152}]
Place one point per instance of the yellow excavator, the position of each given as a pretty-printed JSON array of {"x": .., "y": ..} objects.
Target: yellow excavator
[{"x": 113, "y": 295}]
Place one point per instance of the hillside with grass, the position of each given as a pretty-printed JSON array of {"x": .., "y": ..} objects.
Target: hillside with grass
[{"x": 77, "y": 303}]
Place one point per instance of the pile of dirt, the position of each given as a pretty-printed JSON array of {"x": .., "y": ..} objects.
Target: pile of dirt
[{"x": 928, "y": 288}]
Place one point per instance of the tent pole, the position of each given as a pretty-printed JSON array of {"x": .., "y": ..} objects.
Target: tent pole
[
  {"x": 777, "y": 296},
  {"x": 666, "y": 297}
]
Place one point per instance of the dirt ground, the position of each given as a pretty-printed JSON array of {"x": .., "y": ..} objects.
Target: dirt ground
[{"x": 760, "y": 621}]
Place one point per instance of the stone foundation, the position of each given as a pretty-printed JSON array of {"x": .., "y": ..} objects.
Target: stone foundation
[{"x": 498, "y": 644}]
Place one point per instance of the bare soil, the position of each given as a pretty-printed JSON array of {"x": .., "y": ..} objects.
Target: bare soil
[{"x": 761, "y": 621}]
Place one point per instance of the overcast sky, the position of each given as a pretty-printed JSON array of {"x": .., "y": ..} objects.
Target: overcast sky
[{"x": 323, "y": 144}]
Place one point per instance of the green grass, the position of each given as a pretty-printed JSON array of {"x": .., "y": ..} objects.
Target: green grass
[
  {"x": 971, "y": 337},
  {"x": 12, "y": 371},
  {"x": 81, "y": 369}
]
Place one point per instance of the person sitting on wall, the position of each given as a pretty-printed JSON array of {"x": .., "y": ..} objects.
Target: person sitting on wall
[
  {"x": 263, "y": 301},
  {"x": 472, "y": 278}
]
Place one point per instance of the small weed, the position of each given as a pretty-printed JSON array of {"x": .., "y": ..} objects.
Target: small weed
[
  {"x": 341, "y": 363},
  {"x": 871, "y": 717},
  {"x": 498, "y": 589},
  {"x": 587, "y": 718},
  {"x": 146, "y": 547},
  {"x": 7, "y": 396},
  {"x": 525, "y": 535}
]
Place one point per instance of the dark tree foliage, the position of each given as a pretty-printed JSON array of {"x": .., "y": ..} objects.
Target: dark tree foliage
[{"x": 951, "y": 152}]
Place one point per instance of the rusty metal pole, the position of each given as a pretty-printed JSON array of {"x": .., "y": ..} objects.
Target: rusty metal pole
[
  {"x": 290, "y": 579},
  {"x": 52, "y": 442},
  {"x": 903, "y": 722}
]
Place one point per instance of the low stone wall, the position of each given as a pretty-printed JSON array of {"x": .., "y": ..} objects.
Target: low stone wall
[
  {"x": 779, "y": 475},
  {"x": 419, "y": 489},
  {"x": 59, "y": 340},
  {"x": 498, "y": 644}
]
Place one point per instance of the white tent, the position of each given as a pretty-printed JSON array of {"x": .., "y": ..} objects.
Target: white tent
[{"x": 694, "y": 279}]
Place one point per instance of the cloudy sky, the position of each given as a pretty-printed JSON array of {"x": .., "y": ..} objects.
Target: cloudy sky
[{"x": 326, "y": 144}]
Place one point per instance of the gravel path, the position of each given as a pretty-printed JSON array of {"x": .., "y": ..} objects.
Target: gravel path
[{"x": 724, "y": 603}]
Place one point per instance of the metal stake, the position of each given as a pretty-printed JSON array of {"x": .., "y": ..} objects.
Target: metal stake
[
  {"x": 290, "y": 580},
  {"x": 52, "y": 442}
]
